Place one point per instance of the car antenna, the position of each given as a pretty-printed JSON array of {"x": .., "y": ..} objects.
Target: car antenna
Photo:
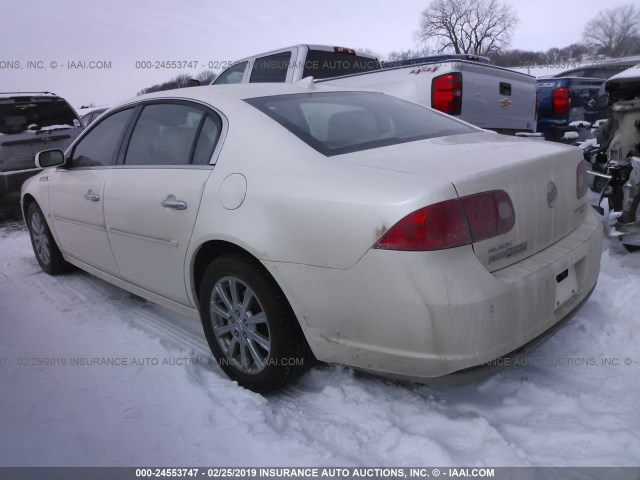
[{"x": 307, "y": 83}]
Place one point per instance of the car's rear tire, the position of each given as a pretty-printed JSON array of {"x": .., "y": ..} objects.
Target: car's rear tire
[
  {"x": 249, "y": 325},
  {"x": 44, "y": 245}
]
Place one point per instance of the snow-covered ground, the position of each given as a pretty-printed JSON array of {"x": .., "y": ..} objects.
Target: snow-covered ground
[{"x": 564, "y": 408}]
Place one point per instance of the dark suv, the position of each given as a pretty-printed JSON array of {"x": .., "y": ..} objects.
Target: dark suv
[{"x": 30, "y": 122}]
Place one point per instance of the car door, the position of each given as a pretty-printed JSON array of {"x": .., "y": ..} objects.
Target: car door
[
  {"x": 153, "y": 195},
  {"x": 76, "y": 193}
]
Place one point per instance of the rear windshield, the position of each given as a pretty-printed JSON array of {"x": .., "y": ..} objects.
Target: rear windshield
[
  {"x": 604, "y": 71},
  {"x": 323, "y": 64},
  {"x": 334, "y": 123},
  {"x": 30, "y": 113}
]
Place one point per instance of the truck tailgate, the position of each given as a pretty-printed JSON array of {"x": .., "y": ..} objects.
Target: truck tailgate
[{"x": 497, "y": 98}]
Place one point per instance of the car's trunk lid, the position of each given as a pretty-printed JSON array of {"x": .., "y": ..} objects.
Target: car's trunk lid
[{"x": 540, "y": 178}]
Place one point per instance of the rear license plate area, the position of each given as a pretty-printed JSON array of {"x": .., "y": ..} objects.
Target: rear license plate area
[{"x": 566, "y": 285}]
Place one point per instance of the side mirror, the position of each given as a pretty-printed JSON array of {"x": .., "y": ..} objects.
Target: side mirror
[{"x": 50, "y": 158}]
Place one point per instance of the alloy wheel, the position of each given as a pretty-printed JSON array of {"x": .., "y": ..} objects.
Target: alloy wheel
[
  {"x": 40, "y": 238},
  {"x": 240, "y": 325}
]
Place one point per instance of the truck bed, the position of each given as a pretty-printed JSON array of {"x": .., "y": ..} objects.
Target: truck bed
[{"x": 492, "y": 97}]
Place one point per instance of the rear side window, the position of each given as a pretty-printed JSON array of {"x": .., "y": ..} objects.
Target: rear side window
[
  {"x": 173, "y": 134},
  {"x": 232, "y": 74},
  {"x": 164, "y": 135},
  {"x": 606, "y": 73},
  {"x": 335, "y": 123},
  {"x": 100, "y": 146},
  {"x": 271, "y": 69},
  {"x": 20, "y": 114},
  {"x": 326, "y": 64}
]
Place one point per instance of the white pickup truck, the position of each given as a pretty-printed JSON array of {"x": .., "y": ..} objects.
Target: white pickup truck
[{"x": 464, "y": 86}]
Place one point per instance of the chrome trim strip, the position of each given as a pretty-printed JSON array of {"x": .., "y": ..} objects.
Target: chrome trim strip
[
  {"x": 82, "y": 224},
  {"x": 162, "y": 241}
]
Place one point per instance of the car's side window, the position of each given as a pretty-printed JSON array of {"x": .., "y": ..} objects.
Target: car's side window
[
  {"x": 100, "y": 146},
  {"x": 207, "y": 140},
  {"x": 164, "y": 135},
  {"x": 232, "y": 74},
  {"x": 271, "y": 69}
]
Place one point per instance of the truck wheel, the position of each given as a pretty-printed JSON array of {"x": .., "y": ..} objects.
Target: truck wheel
[
  {"x": 44, "y": 246},
  {"x": 635, "y": 217},
  {"x": 249, "y": 325}
]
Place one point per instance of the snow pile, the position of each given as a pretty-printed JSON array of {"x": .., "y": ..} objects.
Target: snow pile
[{"x": 557, "y": 410}]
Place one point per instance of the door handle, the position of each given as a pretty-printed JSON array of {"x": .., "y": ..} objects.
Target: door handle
[
  {"x": 92, "y": 196},
  {"x": 176, "y": 204}
]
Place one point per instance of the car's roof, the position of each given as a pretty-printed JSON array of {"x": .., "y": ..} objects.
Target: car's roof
[
  {"x": 241, "y": 91},
  {"x": 629, "y": 74},
  {"x": 26, "y": 94}
]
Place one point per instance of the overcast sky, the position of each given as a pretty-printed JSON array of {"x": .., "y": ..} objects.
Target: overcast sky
[{"x": 121, "y": 32}]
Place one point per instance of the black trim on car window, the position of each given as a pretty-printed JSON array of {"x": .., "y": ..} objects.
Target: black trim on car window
[
  {"x": 127, "y": 134},
  {"x": 197, "y": 137}
]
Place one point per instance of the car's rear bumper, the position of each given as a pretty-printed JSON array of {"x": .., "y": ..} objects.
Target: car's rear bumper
[
  {"x": 10, "y": 182},
  {"x": 426, "y": 314}
]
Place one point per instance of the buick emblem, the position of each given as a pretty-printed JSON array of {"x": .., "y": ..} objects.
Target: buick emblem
[{"x": 552, "y": 194}]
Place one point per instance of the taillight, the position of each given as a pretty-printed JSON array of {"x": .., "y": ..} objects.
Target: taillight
[
  {"x": 446, "y": 93},
  {"x": 489, "y": 214},
  {"x": 438, "y": 226},
  {"x": 581, "y": 179},
  {"x": 452, "y": 223},
  {"x": 561, "y": 100},
  {"x": 348, "y": 51}
]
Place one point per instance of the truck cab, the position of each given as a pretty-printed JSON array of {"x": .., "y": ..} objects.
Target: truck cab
[{"x": 292, "y": 64}]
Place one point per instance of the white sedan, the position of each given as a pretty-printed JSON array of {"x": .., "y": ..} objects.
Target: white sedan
[{"x": 299, "y": 221}]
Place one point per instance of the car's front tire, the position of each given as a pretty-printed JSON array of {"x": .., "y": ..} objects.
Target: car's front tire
[
  {"x": 44, "y": 245},
  {"x": 249, "y": 325}
]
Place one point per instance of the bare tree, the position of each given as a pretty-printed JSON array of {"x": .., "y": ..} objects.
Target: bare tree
[
  {"x": 206, "y": 77},
  {"x": 480, "y": 27},
  {"x": 409, "y": 53},
  {"x": 615, "y": 31}
]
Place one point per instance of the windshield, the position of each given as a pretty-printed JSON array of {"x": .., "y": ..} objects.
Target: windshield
[
  {"x": 35, "y": 113},
  {"x": 334, "y": 123}
]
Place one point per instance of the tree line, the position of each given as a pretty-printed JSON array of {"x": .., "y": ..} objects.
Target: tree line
[
  {"x": 181, "y": 81},
  {"x": 485, "y": 27}
]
